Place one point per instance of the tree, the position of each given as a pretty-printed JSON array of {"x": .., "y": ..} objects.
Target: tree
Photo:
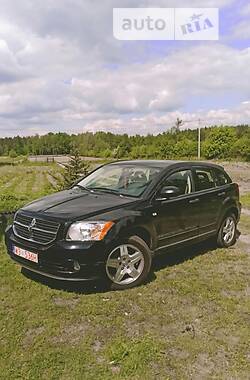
[
  {"x": 12, "y": 153},
  {"x": 177, "y": 125},
  {"x": 185, "y": 148},
  {"x": 219, "y": 143},
  {"x": 107, "y": 153},
  {"x": 118, "y": 152},
  {"x": 241, "y": 148},
  {"x": 74, "y": 170}
]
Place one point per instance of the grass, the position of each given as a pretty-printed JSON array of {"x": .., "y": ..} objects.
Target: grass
[
  {"x": 245, "y": 199},
  {"x": 22, "y": 183},
  {"x": 190, "y": 321}
]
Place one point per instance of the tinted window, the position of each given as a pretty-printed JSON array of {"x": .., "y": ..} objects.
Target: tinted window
[
  {"x": 182, "y": 180},
  {"x": 123, "y": 179},
  {"x": 204, "y": 179},
  {"x": 221, "y": 177}
]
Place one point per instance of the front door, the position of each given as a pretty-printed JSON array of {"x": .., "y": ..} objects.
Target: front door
[{"x": 176, "y": 220}]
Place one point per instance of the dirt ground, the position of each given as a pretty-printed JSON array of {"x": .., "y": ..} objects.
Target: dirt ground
[{"x": 240, "y": 173}]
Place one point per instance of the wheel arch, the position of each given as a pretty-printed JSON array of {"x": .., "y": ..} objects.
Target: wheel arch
[
  {"x": 230, "y": 209},
  {"x": 140, "y": 231}
]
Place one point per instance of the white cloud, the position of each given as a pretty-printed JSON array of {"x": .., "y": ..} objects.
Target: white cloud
[
  {"x": 245, "y": 11},
  {"x": 154, "y": 124},
  {"x": 165, "y": 85},
  {"x": 186, "y": 3},
  {"x": 242, "y": 30},
  {"x": 61, "y": 69},
  {"x": 162, "y": 86}
]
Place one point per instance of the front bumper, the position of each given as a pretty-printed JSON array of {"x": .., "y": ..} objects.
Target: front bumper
[{"x": 62, "y": 260}]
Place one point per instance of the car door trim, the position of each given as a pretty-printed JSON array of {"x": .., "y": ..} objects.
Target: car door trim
[
  {"x": 222, "y": 193},
  {"x": 196, "y": 200},
  {"x": 162, "y": 237},
  {"x": 185, "y": 240}
]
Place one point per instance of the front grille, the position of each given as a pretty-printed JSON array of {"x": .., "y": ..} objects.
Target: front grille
[{"x": 36, "y": 230}]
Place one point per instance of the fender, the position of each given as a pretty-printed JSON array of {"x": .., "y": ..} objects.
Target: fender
[
  {"x": 228, "y": 205},
  {"x": 141, "y": 226}
]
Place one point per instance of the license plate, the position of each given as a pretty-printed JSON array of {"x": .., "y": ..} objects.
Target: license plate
[{"x": 31, "y": 256}]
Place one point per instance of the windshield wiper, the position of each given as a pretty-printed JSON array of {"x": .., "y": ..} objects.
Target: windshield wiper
[
  {"x": 82, "y": 187},
  {"x": 111, "y": 191}
]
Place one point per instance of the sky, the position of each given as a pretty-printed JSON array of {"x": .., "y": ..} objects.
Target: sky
[{"x": 62, "y": 70}]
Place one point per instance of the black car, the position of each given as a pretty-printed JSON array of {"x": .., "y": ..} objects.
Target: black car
[{"x": 113, "y": 221}]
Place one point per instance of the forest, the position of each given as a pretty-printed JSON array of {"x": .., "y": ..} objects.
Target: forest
[{"x": 218, "y": 142}]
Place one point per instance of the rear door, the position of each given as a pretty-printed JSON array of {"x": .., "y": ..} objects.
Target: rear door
[
  {"x": 210, "y": 198},
  {"x": 177, "y": 219},
  {"x": 226, "y": 191}
]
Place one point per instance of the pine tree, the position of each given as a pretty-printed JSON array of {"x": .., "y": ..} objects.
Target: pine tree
[{"x": 74, "y": 170}]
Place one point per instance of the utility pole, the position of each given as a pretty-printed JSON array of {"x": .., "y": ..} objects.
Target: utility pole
[
  {"x": 179, "y": 123},
  {"x": 199, "y": 139}
]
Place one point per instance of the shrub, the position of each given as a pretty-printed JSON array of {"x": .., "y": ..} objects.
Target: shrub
[{"x": 219, "y": 143}]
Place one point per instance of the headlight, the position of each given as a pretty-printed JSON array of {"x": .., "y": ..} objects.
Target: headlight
[{"x": 86, "y": 231}]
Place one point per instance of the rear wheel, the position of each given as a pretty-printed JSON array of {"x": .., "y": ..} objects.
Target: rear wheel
[
  {"x": 129, "y": 263},
  {"x": 227, "y": 233}
]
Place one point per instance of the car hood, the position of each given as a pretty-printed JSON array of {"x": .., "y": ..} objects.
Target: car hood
[{"x": 71, "y": 204}]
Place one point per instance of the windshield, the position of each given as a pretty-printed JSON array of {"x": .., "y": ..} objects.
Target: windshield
[{"x": 121, "y": 179}]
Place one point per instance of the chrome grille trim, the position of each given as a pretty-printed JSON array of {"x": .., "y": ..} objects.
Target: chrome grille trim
[
  {"x": 43, "y": 232},
  {"x": 35, "y": 228}
]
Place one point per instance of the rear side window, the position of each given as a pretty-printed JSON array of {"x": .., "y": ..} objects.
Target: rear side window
[
  {"x": 204, "y": 179},
  {"x": 221, "y": 178}
]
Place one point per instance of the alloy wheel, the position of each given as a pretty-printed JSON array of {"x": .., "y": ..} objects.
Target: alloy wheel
[
  {"x": 125, "y": 264},
  {"x": 228, "y": 230}
]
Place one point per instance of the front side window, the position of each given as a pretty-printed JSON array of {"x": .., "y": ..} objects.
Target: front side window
[
  {"x": 182, "y": 180},
  {"x": 204, "y": 179},
  {"x": 121, "y": 179}
]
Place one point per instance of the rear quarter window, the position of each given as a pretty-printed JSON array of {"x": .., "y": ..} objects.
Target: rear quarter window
[{"x": 221, "y": 178}]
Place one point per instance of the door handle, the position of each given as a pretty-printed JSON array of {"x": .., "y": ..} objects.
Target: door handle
[
  {"x": 194, "y": 200},
  {"x": 221, "y": 194}
]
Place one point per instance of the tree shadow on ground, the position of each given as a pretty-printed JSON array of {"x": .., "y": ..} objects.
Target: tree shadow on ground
[{"x": 165, "y": 259}]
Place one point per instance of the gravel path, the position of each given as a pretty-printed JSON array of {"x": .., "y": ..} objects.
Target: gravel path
[{"x": 245, "y": 211}]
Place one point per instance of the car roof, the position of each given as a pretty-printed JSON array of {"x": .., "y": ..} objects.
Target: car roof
[{"x": 166, "y": 163}]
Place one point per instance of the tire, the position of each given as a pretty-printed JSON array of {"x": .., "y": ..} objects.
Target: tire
[
  {"x": 128, "y": 264},
  {"x": 228, "y": 231}
]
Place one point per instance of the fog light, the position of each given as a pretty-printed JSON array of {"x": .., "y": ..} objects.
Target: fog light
[{"x": 76, "y": 265}]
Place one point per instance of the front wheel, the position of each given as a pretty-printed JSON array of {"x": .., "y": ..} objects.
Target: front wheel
[
  {"x": 129, "y": 263},
  {"x": 227, "y": 233}
]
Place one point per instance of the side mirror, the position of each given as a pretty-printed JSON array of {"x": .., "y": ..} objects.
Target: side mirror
[{"x": 168, "y": 192}]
